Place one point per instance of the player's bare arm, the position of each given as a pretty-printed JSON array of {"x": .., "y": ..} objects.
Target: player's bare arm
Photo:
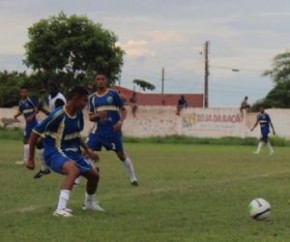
[
  {"x": 32, "y": 116},
  {"x": 123, "y": 115},
  {"x": 95, "y": 117},
  {"x": 32, "y": 145},
  {"x": 88, "y": 152},
  {"x": 42, "y": 109},
  {"x": 17, "y": 114},
  {"x": 273, "y": 129},
  {"x": 255, "y": 125}
]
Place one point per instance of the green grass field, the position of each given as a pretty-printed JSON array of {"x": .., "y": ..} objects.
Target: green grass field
[{"x": 186, "y": 193}]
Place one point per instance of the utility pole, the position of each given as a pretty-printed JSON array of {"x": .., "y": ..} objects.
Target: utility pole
[
  {"x": 119, "y": 79},
  {"x": 206, "y": 74},
  {"x": 162, "y": 81}
]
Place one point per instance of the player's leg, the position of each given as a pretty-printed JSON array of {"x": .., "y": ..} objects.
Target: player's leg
[
  {"x": 90, "y": 202},
  {"x": 260, "y": 145},
  {"x": 25, "y": 150},
  {"x": 93, "y": 143},
  {"x": 129, "y": 167},
  {"x": 118, "y": 148},
  {"x": 70, "y": 171},
  {"x": 87, "y": 170},
  {"x": 63, "y": 165},
  {"x": 77, "y": 181},
  {"x": 26, "y": 135},
  {"x": 44, "y": 170},
  {"x": 271, "y": 150}
]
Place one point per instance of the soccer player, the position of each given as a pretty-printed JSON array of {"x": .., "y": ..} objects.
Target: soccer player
[
  {"x": 27, "y": 107},
  {"x": 106, "y": 109},
  {"x": 265, "y": 122},
  {"x": 54, "y": 95},
  {"x": 55, "y": 100},
  {"x": 62, "y": 150}
]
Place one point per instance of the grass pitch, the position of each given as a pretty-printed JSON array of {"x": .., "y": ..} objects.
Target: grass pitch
[{"x": 186, "y": 193}]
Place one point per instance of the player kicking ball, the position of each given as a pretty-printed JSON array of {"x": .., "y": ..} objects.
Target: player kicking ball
[
  {"x": 62, "y": 150},
  {"x": 265, "y": 122}
]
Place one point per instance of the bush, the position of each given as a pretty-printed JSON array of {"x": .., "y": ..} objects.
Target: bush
[
  {"x": 177, "y": 139},
  {"x": 17, "y": 134}
]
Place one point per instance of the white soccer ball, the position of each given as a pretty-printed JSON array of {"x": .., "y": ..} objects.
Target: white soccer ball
[{"x": 259, "y": 209}]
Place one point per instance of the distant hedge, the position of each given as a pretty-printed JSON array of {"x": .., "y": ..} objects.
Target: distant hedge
[{"x": 17, "y": 133}]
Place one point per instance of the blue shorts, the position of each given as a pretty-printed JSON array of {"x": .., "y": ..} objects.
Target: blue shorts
[
  {"x": 28, "y": 129},
  {"x": 111, "y": 141},
  {"x": 55, "y": 161},
  {"x": 264, "y": 135}
]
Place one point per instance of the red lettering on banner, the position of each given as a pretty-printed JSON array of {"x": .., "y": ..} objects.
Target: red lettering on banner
[
  {"x": 208, "y": 118},
  {"x": 218, "y": 118}
]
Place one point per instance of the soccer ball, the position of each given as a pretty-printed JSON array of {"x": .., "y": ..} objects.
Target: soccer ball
[{"x": 259, "y": 209}]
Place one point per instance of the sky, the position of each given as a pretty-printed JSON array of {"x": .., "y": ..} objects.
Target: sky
[{"x": 170, "y": 34}]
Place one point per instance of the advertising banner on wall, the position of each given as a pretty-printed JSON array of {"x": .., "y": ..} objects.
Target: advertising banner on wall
[{"x": 214, "y": 122}]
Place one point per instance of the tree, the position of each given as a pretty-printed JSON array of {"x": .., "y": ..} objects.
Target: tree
[
  {"x": 72, "y": 49},
  {"x": 279, "y": 96},
  {"x": 144, "y": 84},
  {"x": 280, "y": 71},
  {"x": 10, "y": 82}
]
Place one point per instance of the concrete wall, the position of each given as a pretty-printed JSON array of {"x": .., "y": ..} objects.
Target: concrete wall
[{"x": 197, "y": 122}]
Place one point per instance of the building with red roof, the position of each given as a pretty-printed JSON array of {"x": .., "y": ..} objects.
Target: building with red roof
[{"x": 157, "y": 99}]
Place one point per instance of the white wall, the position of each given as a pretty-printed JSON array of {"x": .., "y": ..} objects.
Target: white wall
[{"x": 198, "y": 122}]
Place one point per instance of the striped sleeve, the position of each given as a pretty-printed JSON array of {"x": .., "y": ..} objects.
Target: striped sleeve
[
  {"x": 117, "y": 100},
  {"x": 91, "y": 105},
  {"x": 50, "y": 123}
]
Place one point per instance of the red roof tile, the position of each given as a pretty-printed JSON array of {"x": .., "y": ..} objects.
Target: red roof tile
[{"x": 154, "y": 99}]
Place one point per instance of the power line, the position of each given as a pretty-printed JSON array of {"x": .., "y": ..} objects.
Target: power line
[{"x": 235, "y": 69}]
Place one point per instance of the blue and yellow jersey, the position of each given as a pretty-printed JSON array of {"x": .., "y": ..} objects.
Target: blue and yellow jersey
[
  {"x": 61, "y": 132},
  {"x": 110, "y": 102},
  {"x": 264, "y": 121},
  {"x": 28, "y": 107}
]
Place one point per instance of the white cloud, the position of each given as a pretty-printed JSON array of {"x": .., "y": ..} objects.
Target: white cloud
[
  {"x": 163, "y": 37},
  {"x": 137, "y": 49},
  {"x": 136, "y": 42}
]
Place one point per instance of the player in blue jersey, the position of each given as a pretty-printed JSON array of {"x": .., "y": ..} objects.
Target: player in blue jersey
[
  {"x": 107, "y": 111},
  {"x": 62, "y": 150},
  {"x": 28, "y": 107},
  {"x": 264, "y": 120},
  {"x": 55, "y": 100}
]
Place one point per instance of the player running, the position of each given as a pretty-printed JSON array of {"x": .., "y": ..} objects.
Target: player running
[
  {"x": 107, "y": 110},
  {"x": 62, "y": 150},
  {"x": 265, "y": 122}
]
